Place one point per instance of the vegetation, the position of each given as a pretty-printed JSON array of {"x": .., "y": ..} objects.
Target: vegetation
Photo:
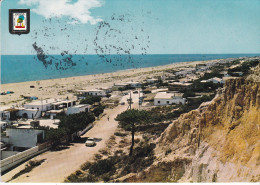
[
  {"x": 108, "y": 95},
  {"x": 116, "y": 166},
  {"x": 129, "y": 119},
  {"x": 188, "y": 93},
  {"x": 90, "y": 100},
  {"x": 76, "y": 122},
  {"x": 98, "y": 110},
  {"x": 147, "y": 91},
  {"x": 244, "y": 67}
]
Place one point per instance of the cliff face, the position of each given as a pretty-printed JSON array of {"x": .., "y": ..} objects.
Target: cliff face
[{"x": 219, "y": 142}]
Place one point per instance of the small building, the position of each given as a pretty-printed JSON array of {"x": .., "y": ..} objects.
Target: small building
[
  {"x": 134, "y": 84},
  {"x": 106, "y": 89},
  {"x": 179, "y": 86},
  {"x": 215, "y": 80},
  {"x": 164, "y": 98},
  {"x": 93, "y": 92},
  {"x": 23, "y": 137},
  {"x": 78, "y": 108},
  {"x": 152, "y": 80},
  {"x": 120, "y": 86},
  {"x": 61, "y": 104},
  {"x": 29, "y": 113},
  {"x": 41, "y": 105},
  {"x": 185, "y": 72}
]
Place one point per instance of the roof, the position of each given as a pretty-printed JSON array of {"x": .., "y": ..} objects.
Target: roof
[
  {"x": 91, "y": 90},
  {"x": 121, "y": 84},
  {"x": 4, "y": 108},
  {"x": 42, "y": 102},
  {"x": 63, "y": 101},
  {"x": 180, "y": 83},
  {"x": 165, "y": 95},
  {"x": 80, "y": 106},
  {"x": 133, "y": 82},
  {"x": 216, "y": 78},
  {"x": 34, "y": 110}
]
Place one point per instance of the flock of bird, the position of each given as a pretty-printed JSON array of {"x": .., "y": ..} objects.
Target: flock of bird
[{"x": 113, "y": 42}]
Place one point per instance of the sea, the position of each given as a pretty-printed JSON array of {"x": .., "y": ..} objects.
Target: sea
[{"x": 22, "y": 68}]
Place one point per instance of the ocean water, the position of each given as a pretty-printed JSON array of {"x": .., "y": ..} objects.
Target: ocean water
[{"x": 21, "y": 68}]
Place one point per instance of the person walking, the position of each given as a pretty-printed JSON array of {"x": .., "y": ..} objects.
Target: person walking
[{"x": 108, "y": 118}]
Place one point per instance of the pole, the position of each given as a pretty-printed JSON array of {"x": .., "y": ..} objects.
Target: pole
[
  {"x": 130, "y": 100},
  {"x": 139, "y": 98}
]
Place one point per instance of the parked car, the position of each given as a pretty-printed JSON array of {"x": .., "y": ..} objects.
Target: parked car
[
  {"x": 122, "y": 103},
  {"x": 90, "y": 142},
  {"x": 135, "y": 92}
]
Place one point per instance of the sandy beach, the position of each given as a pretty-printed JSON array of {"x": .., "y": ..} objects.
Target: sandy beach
[{"x": 64, "y": 87}]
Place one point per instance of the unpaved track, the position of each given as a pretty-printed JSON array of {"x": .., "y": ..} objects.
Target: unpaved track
[{"x": 60, "y": 164}]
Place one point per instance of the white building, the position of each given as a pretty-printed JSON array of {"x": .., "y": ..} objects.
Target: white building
[
  {"x": 106, "y": 89},
  {"x": 61, "y": 104},
  {"x": 93, "y": 92},
  {"x": 215, "y": 80},
  {"x": 117, "y": 87},
  {"x": 42, "y": 105},
  {"x": 134, "y": 84},
  {"x": 185, "y": 72},
  {"x": 23, "y": 137},
  {"x": 151, "y": 80},
  {"x": 78, "y": 108},
  {"x": 34, "y": 109},
  {"x": 29, "y": 113},
  {"x": 164, "y": 98}
]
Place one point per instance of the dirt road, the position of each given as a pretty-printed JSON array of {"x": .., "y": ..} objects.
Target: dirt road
[{"x": 60, "y": 164}]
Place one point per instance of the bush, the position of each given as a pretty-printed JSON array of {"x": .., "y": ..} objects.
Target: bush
[
  {"x": 90, "y": 100},
  {"x": 76, "y": 122},
  {"x": 147, "y": 91},
  {"x": 108, "y": 95},
  {"x": 101, "y": 167},
  {"x": 189, "y": 94},
  {"x": 245, "y": 66},
  {"x": 98, "y": 110},
  {"x": 86, "y": 166},
  {"x": 120, "y": 134}
]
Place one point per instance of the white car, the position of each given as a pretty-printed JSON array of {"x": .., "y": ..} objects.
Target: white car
[{"x": 90, "y": 142}]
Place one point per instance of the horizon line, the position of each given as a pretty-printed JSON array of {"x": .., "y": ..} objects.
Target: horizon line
[{"x": 149, "y": 54}]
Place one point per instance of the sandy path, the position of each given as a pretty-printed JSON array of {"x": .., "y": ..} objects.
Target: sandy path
[{"x": 60, "y": 164}]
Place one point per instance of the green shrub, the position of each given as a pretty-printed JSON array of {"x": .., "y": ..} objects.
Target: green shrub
[
  {"x": 90, "y": 100},
  {"x": 98, "y": 110},
  {"x": 86, "y": 166},
  {"x": 120, "y": 134},
  {"x": 101, "y": 167}
]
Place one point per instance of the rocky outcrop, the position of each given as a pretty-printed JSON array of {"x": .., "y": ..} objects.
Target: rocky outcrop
[{"x": 218, "y": 142}]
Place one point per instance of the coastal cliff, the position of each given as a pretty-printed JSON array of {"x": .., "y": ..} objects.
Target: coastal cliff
[{"x": 218, "y": 142}]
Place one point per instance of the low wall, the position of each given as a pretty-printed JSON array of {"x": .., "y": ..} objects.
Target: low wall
[
  {"x": 11, "y": 161},
  {"x": 80, "y": 133},
  {"x": 6, "y": 154}
]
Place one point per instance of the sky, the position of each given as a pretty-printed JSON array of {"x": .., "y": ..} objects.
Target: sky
[{"x": 137, "y": 26}]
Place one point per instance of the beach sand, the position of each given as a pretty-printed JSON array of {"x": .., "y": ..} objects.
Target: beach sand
[{"x": 64, "y": 87}]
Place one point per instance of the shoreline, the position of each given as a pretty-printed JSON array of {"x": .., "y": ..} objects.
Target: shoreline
[
  {"x": 59, "y": 87},
  {"x": 121, "y": 71}
]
